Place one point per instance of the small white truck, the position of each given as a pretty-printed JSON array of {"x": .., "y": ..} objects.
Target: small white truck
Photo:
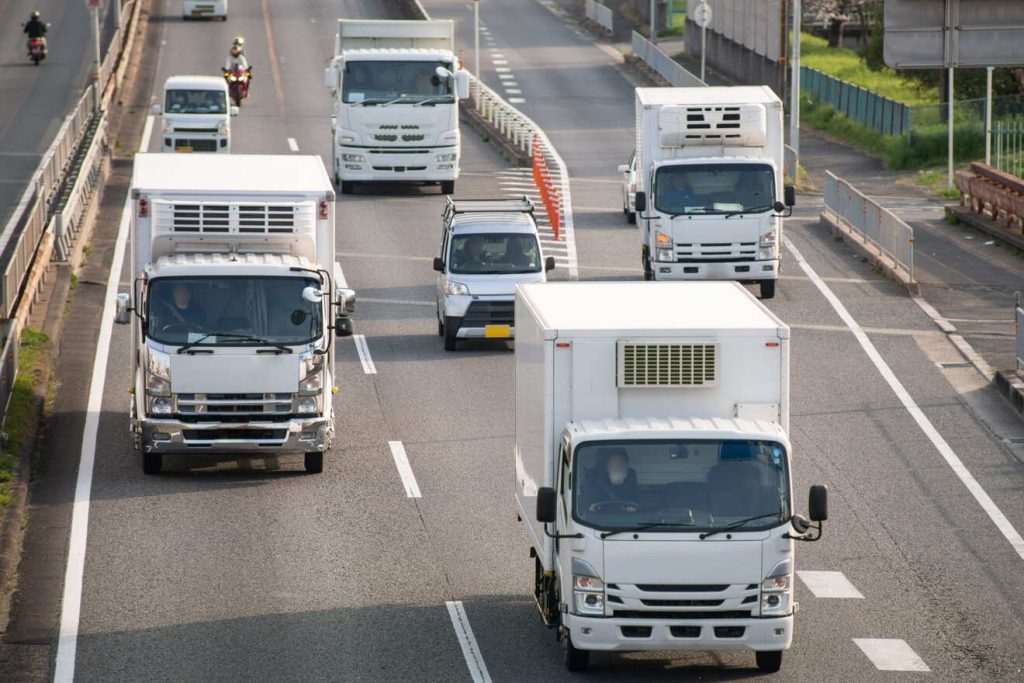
[
  {"x": 196, "y": 115},
  {"x": 235, "y": 306},
  {"x": 710, "y": 198},
  {"x": 396, "y": 87},
  {"x": 652, "y": 467}
]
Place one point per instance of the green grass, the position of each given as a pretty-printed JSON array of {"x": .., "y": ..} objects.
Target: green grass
[
  {"x": 19, "y": 425},
  {"x": 848, "y": 66}
]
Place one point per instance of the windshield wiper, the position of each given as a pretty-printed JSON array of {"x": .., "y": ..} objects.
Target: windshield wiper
[
  {"x": 737, "y": 525},
  {"x": 644, "y": 527},
  {"x": 443, "y": 99},
  {"x": 242, "y": 337},
  {"x": 369, "y": 100},
  {"x": 752, "y": 209},
  {"x": 397, "y": 99}
]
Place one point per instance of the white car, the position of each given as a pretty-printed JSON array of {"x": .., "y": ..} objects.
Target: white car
[
  {"x": 204, "y": 9},
  {"x": 196, "y": 115},
  {"x": 488, "y": 246},
  {"x": 628, "y": 172}
]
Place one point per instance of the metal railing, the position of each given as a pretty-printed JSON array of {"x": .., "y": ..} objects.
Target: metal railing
[
  {"x": 873, "y": 223},
  {"x": 8, "y": 366},
  {"x": 1018, "y": 322},
  {"x": 81, "y": 183},
  {"x": 666, "y": 67},
  {"x": 599, "y": 14},
  {"x": 1008, "y": 146},
  {"x": 869, "y": 109}
]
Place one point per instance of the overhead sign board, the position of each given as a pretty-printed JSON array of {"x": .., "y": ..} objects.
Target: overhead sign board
[{"x": 932, "y": 34}]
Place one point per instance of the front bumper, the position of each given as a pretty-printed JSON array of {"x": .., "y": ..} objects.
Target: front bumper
[
  {"x": 589, "y": 633},
  {"x": 716, "y": 270},
  {"x": 481, "y": 317},
  {"x": 187, "y": 141},
  {"x": 297, "y": 435},
  {"x": 416, "y": 164}
]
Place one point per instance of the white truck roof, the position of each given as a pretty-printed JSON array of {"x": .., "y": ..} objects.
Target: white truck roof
[
  {"x": 739, "y": 94},
  {"x": 604, "y": 309},
  {"x": 219, "y": 174},
  {"x": 195, "y": 83},
  {"x": 363, "y": 34}
]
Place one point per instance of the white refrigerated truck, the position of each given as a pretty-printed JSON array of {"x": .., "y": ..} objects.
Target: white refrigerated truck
[
  {"x": 236, "y": 301},
  {"x": 396, "y": 87},
  {"x": 710, "y": 197},
  {"x": 652, "y": 467}
]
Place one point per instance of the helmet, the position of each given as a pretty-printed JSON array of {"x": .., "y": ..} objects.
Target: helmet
[
  {"x": 239, "y": 41},
  {"x": 35, "y": 15}
]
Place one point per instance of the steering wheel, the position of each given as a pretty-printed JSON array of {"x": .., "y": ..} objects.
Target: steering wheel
[
  {"x": 180, "y": 327},
  {"x": 615, "y": 506}
]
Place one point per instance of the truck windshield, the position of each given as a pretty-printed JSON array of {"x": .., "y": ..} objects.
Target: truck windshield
[
  {"x": 379, "y": 82},
  {"x": 714, "y": 188},
  {"x": 697, "y": 485},
  {"x": 494, "y": 253},
  {"x": 195, "y": 102},
  {"x": 269, "y": 310}
]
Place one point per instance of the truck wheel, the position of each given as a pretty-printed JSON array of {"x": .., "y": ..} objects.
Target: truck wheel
[
  {"x": 768, "y": 289},
  {"x": 447, "y": 187},
  {"x": 152, "y": 463},
  {"x": 451, "y": 331},
  {"x": 576, "y": 659},
  {"x": 770, "y": 661},
  {"x": 648, "y": 271},
  {"x": 314, "y": 462},
  {"x": 631, "y": 217},
  {"x": 348, "y": 187},
  {"x": 440, "y": 325}
]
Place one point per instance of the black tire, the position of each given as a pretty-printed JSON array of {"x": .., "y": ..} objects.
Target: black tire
[
  {"x": 648, "y": 271},
  {"x": 631, "y": 217},
  {"x": 36, "y": 60},
  {"x": 574, "y": 658},
  {"x": 447, "y": 187},
  {"x": 347, "y": 187},
  {"x": 440, "y": 325},
  {"x": 152, "y": 463},
  {"x": 236, "y": 98},
  {"x": 768, "y": 289},
  {"x": 769, "y": 661},
  {"x": 314, "y": 462},
  {"x": 451, "y": 330}
]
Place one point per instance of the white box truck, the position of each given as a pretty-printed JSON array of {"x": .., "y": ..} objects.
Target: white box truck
[
  {"x": 710, "y": 193},
  {"x": 396, "y": 87},
  {"x": 196, "y": 114},
  {"x": 236, "y": 302},
  {"x": 652, "y": 467}
]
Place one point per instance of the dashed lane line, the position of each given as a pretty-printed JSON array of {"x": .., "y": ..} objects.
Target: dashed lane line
[
  {"x": 467, "y": 641},
  {"x": 891, "y": 654},
  {"x": 829, "y": 585},
  {"x": 412, "y": 489},
  {"x": 364, "y": 354},
  {"x": 293, "y": 145}
]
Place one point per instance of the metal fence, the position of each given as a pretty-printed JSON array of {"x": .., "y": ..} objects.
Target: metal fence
[
  {"x": 1008, "y": 146},
  {"x": 1018, "y": 321},
  {"x": 875, "y": 225},
  {"x": 8, "y": 366},
  {"x": 600, "y": 14},
  {"x": 869, "y": 109},
  {"x": 666, "y": 67}
]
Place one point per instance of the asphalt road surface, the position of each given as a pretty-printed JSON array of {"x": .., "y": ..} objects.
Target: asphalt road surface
[{"x": 255, "y": 571}]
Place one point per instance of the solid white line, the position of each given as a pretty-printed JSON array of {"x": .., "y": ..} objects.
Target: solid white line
[
  {"x": 71, "y": 601},
  {"x": 829, "y": 585},
  {"x": 517, "y": 100},
  {"x": 470, "y": 649},
  {"x": 292, "y": 145},
  {"x": 944, "y": 449},
  {"x": 412, "y": 489},
  {"x": 399, "y": 302},
  {"x": 364, "y": 354},
  {"x": 891, "y": 654}
]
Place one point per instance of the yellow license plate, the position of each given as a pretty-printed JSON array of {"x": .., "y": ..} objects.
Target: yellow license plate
[
  {"x": 183, "y": 148},
  {"x": 497, "y": 331}
]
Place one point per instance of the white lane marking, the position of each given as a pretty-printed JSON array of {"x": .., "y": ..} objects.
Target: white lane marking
[
  {"x": 891, "y": 654},
  {"x": 507, "y": 77},
  {"x": 496, "y": 54},
  {"x": 399, "y": 302},
  {"x": 517, "y": 100},
  {"x": 500, "y": 62},
  {"x": 412, "y": 489},
  {"x": 364, "y": 354},
  {"x": 71, "y": 601},
  {"x": 502, "y": 69},
  {"x": 470, "y": 649},
  {"x": 292, "y": 145},
  {"x": 829, "y": 585},
  {"x": 944, "y": 449},
  {"x": 513, "y": 91}
]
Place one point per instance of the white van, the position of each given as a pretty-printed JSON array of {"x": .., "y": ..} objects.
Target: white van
[
  {"x": 204, "y": 9},
  {"x": 196, "y": 114}
]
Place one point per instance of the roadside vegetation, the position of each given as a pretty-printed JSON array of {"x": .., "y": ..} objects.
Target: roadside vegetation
[{"x": 23, "y": 410}]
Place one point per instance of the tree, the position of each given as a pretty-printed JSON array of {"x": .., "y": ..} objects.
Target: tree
[{"x": 836, "y": 13}]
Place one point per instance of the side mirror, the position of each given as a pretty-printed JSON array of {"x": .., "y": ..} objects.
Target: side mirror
[
  {"x": 640, "y": 202},
  {"x": 789, "y": 195},
  {"x": 623, "y": 168},
  {"x": 549, "y": 264},
  {"x": 346, "y": 299},
  {"x": 331, "y": 77},
  {"x": 546, "y": 505},
  {"x": 817, "y": 503},
  {"x": 234, "y": 110},
  {"x": 334, "y": 123},
  {"x": 778, "y": 207},
  {"x": 438, "y": 264},
  {"x": 122, "y": 309},
  {"x": 462, "y": 84},
  {"x": 157, "y": 109},
  {"x": 343, "y": 327}
]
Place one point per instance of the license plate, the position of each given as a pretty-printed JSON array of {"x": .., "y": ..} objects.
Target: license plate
[
  {"x": 184, "y": 148},
  {"x": 498, "y": 331}
]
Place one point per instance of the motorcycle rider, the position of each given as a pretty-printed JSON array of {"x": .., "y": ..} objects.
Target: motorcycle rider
[
  {"x": 236, "y": 58},
  {"x": 35, "y": 28}
]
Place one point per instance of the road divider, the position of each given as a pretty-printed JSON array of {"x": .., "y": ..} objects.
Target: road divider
[{"x": 398, "y": 454}]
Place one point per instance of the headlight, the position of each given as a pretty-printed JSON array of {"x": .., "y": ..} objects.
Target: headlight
[
  {"x": 308, "y": 405},
  {"x": 768, "y": 239},
  {"x": 775, "y": 583},
  {"x": 353, "y": 157},
  {"x": 663, "y": 250},
  {"x": 456, "y": 289},
  {"x": 589, "y": 594},
  {"x": 445, "y": 157},
  {"x": 222, "y": 128},
  {"x": 158, "y": 373},
  {"x": 161, "y": 405},
  {"x": 775, "y": 594},
  {"x": 664, "y": 255},
  {"x": 166, "y": 126},
  {"x": 311, "y": 374}
]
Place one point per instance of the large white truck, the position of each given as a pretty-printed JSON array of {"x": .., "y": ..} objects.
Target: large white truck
[
  {"x": 652, "y": 467},
  {"x": 710, "y": 196},
  {"x": 396, "y": 87},
  {"x": 236, "y": 302}
]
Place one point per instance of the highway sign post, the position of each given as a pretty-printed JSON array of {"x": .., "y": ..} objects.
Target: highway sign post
[
  {"x": 94, "y": 11},
  {"x": 702, "y": 17}
]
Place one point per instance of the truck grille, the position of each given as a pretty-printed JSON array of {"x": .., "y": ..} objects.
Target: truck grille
[
  {"x": 640, "y": 614},
  {"x": 242, "y": 407},
  {"x": 200, "y": 145},
  {"x": 234, "y": 218},
  {"x": 653, "y": 364},
  {"x": 683, "y": 602},
  {"x": 210, "y": 436},
  {"x": 715, "y": 251},
  {"x": 481, "y": 313}
]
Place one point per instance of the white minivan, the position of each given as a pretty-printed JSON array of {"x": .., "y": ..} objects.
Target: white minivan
[
  {"x": 204, "y": 9},
  {"x": 488, "y": 247},
  {"x": 196, "y": 115}
]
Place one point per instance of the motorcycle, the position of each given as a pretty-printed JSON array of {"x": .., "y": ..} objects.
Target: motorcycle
[
  {"x": 37, "y": 50},
  {"x": 238, "y": 84}
]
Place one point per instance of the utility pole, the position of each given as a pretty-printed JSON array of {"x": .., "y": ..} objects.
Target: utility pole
[
  {"x": 654, "y": 22},
  {"x": 988, "y": 115},
  {"x": 794, "y": 84},
  {"x": 94, "y": 11}
]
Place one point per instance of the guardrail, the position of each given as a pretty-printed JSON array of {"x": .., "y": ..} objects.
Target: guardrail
[
  {"x": 600, "y": 14},
  {"x": 987, "y": 190},
  {"x": 1018, "y": 321},
  {"x": 874, "y": 224},
  {"x": 869, "y": 109},
  {"x": 663, "y": 64},
  {"x": 1008, "y": 146},
  {"x": 80, "y": 185}
]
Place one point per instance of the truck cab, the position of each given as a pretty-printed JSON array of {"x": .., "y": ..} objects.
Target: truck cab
[
  {"x": 488, "y": 246},
  {"x": 196, "y": 115}
]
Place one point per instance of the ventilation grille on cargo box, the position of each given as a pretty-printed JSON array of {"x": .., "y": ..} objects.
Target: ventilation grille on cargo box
[
  {"x": 731, "y": 126},
  {"x": 208, "y": 217},
  {"x": 654, "y": 364}
]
